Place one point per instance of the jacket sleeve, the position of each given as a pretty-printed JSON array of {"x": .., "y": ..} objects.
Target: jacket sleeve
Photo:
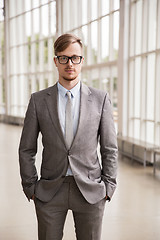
[
  {"x": 108, "y": 148},
  {"x": 28, "y": 150}
]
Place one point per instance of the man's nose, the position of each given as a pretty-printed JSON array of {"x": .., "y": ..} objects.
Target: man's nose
[{"x": 69, "y": 62}]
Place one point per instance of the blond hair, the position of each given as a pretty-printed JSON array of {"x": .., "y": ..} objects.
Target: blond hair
[{"x": 64, "y": 41}]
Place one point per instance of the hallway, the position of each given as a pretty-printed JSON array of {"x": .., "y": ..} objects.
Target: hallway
[{"x": 133, "y": 213}]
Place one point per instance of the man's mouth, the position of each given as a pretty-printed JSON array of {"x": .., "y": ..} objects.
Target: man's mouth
[{"x": 69, "y": 70}]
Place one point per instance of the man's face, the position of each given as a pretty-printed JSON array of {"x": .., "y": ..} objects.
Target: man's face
[{"x": 69, "y": 71}]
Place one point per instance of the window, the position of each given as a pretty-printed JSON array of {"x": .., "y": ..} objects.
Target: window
[
  {"x": 2, "y": 60},
  {"x": 144, "y": 73},
  {"x": 30, "y": 53},
  {"x": 98, "y": 26}
]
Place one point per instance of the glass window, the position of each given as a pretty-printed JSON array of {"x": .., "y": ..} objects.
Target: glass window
[
  {"x": 85, "y": 42},
  {"x": 137, "y": 87},
  {"x": 95, "y": 83},
  {"x": 44, "y": 1},
  {"x": 33, "y": 50},
  {"x": 152, "y": 25},
  {"x": 158, "y": 135},
  {"x": 28, "y": 23},
  {"x": 36, "y": 52},
  {"x": 50, "y": 55},
  {"x": 150, "y": 86},
  {"x": 44, "y": 22},
  {"x": 137, "y": 128},
  {"x": 105, "y": 7},
  {"x": 145, "y": 83},
  {"x": 53, "y": 18},
  {"x": 132, "y": 29},
  {"x": 46, "y": 51},
  {"x": 138, "y": 26},
  {"x": 66, "y": 16},
  {"x": 105, "y": 39},
  {"x": 130, "y": 93},
  {"x": 115, "y": 35},
  {"x": 74, "y": 14},
  {"x": 105, "y": 79},
  {"x": 1, "y": 4},
  {"x": 19, "y": 33},
  {"x": 158, "y": 27},
  {"x": 19, "y": 7},
  {"x": 84, "y": 11},
  {"x": 116, "y": 4},
  {"x": 41, "y": 56},
  {"x": 85, "y": 77},
  {"x": 13, "y": 56},
  {"x": 1, "y": 15},
  {"x": 20, "y": 63},
  {"x": 99, "y": 22},
  {"x": 27, "y": 5},
  {"x": 13, "y": 39},
  {"x": 35, "y": 21},
  {"x": 12, "y": 9},
  {"x": 94, "y": 41},
  {"x": 105, "y": 84},
  {"x": 35, "y": 3},
  {"x": 3, "y": 91},
  {"x": 29, "y": 50},
  {"x": 157, "y": 100},
  {"x": 150, "y": 132},
  {"x": 144, "y": 27},
  {"x": 94, "y": 9}
]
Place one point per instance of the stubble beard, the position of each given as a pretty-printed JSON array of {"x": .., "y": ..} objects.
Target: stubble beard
[{"x": 69, "y": 79}]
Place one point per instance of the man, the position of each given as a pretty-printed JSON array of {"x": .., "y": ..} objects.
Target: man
[{"x": 72, "y": 118}]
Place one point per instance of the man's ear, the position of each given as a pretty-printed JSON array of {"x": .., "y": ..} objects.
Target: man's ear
[
  {"x": 55, "y": 61},
  {"x": 82, "y": 59}
]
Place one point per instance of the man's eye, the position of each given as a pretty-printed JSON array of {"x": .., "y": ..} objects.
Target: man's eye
[
  {"x": 74, "y": 57},
  {"x": 64, "y": 58}
]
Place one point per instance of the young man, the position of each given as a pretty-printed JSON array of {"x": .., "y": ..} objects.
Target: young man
[{"x": 72, "y": 118}]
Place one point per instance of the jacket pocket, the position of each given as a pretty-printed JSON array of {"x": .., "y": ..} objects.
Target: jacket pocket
[{"x": 95, "y": 174}]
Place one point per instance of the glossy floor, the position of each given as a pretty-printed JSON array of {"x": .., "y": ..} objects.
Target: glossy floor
[{"x": 133, "y": 213}]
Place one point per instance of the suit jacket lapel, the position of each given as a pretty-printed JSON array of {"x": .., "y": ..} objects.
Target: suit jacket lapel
[
  {"x": 86, "y": 99},
  {"x": 52, "y": 105}
]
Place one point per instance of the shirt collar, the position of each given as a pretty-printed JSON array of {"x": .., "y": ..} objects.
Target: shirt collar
[{"x": 74, "y": 90}]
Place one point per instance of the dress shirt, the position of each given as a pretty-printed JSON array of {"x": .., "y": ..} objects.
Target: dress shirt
[{"x": 62, "y": 100}]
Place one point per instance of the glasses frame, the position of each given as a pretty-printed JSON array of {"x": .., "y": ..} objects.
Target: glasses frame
[{"x": 69, "y": 58}]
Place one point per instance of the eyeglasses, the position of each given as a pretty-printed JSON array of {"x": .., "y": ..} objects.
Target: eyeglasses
[{"x": 65, "y": 59}]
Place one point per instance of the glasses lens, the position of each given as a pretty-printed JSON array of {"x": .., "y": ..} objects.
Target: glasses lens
[
  {"x": 76, "y": 59},
  {"x": 63, "y": 59}
]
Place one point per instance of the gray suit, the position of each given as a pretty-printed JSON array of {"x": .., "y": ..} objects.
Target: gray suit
[{"x": 93, "y": 179}]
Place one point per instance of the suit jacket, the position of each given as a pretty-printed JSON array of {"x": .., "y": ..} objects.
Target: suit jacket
[{"x": 95, "y": 177}]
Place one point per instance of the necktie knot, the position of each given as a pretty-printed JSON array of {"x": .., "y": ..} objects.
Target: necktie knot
[{"x": 69, "y": 94}]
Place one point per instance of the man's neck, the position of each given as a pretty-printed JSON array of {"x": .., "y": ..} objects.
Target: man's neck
[{"x": 68, "y": 84}]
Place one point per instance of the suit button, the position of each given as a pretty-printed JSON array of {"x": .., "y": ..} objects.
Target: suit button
[{"x": 69, "y": 153}]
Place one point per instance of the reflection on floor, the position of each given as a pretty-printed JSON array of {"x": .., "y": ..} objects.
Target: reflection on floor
[{"x": 133, "y": 213}]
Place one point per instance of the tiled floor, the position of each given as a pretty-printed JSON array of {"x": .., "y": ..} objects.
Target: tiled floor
[{"x": 133, "y": 213}]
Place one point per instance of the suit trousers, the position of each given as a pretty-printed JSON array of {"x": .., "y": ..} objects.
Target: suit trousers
[{"x": 51, "y": 215}]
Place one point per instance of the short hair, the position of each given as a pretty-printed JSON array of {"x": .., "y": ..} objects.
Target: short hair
[{"x": 64, "y": 41}]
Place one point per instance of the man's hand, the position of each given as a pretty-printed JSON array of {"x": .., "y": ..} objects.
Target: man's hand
[
  {"x": 107, "y": 198},
  {"x": 33, "y": 197}
]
